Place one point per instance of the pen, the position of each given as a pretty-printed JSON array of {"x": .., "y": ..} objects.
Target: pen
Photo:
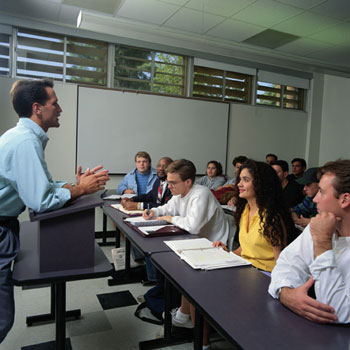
[{"x": 147, "y": 209}]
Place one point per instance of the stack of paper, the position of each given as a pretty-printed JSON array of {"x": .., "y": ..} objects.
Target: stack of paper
[
  {"x": 140, "y": 221},
  {"x": 200, "y": 254},
  {"x": 129, "y": 212}
]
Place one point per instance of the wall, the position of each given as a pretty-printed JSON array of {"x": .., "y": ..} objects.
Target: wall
[
  {"x": 335, "y": 140},
  {"x": 255, "y": 131}
]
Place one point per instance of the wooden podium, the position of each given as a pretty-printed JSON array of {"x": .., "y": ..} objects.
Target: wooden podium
[{"x": 67, "y": 235}]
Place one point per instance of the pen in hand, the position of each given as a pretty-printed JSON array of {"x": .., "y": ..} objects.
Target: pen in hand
[{"x": 147, "y": 209}]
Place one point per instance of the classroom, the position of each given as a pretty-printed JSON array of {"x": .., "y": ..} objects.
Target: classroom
[{"x": 267, "y": 46}]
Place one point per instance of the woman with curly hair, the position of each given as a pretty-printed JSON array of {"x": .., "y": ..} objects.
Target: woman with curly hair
[{"x": 261, "y": 214}]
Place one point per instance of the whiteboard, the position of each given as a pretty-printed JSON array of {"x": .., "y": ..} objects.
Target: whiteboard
[{"x": 112, "y": 126}]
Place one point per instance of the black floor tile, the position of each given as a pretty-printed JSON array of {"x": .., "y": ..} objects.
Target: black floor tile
[{"x": 116, "y": 299}]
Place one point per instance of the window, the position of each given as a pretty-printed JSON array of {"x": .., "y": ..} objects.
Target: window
[
  {"x": 4, "y": 54},
  {"x": 41, "y": 55},
  {"x": 282, "y": 96},
  {"x": 221, "y": 85},
  {"x": 148, "y": 70}
]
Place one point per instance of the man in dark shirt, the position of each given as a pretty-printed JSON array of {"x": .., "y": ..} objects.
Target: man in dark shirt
[{"x": 291, "y": 191}]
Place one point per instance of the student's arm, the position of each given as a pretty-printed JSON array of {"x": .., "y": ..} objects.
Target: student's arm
[
  {"x": 332, "y": 286},
  {"x": 299, "y": 302},
  {"x": 238, "y": 251},
  {"x": 123, "y": 187},
  {"x": 197, "y": 215}
]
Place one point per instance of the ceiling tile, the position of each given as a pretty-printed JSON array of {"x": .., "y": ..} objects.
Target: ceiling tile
[
  {"x": 105, "y": 6},
  {"x": 175, "y": 2},
  {"x": 235, "y": 30},
  {"x": 35, "y": 9},
  {"x": 225, "y": 8},
  {"x": 150, "y": 11},
  {"x": 306, "y": 24},
  {"x": 334, "y": 8},
  {"x": 303, "y": 4},
  {"x": 193, "y": 21},
  {"x": 266, "y": 13},
  {"x": 337, "y": 35},
  {"x": 303, "y": 46}
]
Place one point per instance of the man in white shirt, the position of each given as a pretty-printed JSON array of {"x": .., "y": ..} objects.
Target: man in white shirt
[
  {"x": 192, "y": 207},
  {"x": 195, "y": 209},
  {"x": 320, "y": 256}
]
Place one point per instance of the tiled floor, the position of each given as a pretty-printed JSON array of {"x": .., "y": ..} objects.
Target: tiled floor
[{"x": 110, "y": 329}]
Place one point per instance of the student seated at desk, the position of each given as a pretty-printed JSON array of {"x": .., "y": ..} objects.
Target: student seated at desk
[
  {"x": 159, "y": 195},
  {"x": 141, "y": 179},
  {"x": 192, "y": 208},
  {"x": 214, "y": 177},
  {"x": 320, "y": 256}
]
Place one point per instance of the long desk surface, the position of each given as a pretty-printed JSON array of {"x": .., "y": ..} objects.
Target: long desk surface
[
  {"x": 237, "y": 304},
  {"x": 147, "y": 245}
]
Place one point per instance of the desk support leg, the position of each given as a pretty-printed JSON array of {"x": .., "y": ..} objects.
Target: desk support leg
[
  {"x": 167, "y": 315},
  {"x": 198, "y": 331},
  {"x": 117, "y": 237},
  {"x": 127, "y": 256},
  {"x": 104, "y": 229},
  {"x": 60, "y": 315}
]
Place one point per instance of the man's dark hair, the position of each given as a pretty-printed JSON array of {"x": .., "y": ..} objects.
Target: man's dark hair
[
  {"x": 341, "y": 169},
  {"x": 239, "y": 159},
  {"x": 282, "y": 163},
  {"x": 185, "y": 168},
  {"x": 26, "y": 92},
  {"x": 272, "y": 155},
  {"x": 301, "y": 160}
]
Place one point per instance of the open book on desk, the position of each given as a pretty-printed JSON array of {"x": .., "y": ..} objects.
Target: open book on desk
[
  {"x": 200, "y": 254},
  {"x": 153, "y": 228}
]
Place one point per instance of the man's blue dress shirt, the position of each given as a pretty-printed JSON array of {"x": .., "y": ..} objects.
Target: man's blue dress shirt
[{"x": 24, "y": 177}]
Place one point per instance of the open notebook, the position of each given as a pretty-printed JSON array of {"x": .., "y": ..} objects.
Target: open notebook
[{"x": 200, "y": 254}]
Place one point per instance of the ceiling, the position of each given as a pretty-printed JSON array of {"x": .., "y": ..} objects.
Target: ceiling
[{"x": 312, "y": 31}]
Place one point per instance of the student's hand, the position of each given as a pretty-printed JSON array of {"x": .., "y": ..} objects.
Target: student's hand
[
  {"x": 124, "y": 200},
  {"x": 299, "y": 302},
  {"x": 166, "y": 218},
  {"x": 128, "y": 191},
  {"x": 91, "y": 182},
  {"x": 129, "y": 205},
  {"x": 219, "y": 244},
  {"x": 301, "y": 221},
  {"x": 147, "y": 216},
  {"x": 322, "y": 228},
  {"x": 232, "y": 202}
]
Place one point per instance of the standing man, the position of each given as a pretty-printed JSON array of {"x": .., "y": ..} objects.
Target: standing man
[
  {"x": 320, "y": 256},
  {"x": 25, "y": 179},
  {"x": 140, "y": 180},
  {"x": 159, "y": 195}
]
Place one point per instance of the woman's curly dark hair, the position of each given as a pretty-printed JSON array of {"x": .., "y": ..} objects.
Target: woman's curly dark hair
[{"x": 268, "y": 191}]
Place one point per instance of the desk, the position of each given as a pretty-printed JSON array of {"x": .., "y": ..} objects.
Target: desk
[
  {"x": 146, "y": 245},
  {"x": 26, "y": 272},
  {"x": 236, "y": 302}
]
